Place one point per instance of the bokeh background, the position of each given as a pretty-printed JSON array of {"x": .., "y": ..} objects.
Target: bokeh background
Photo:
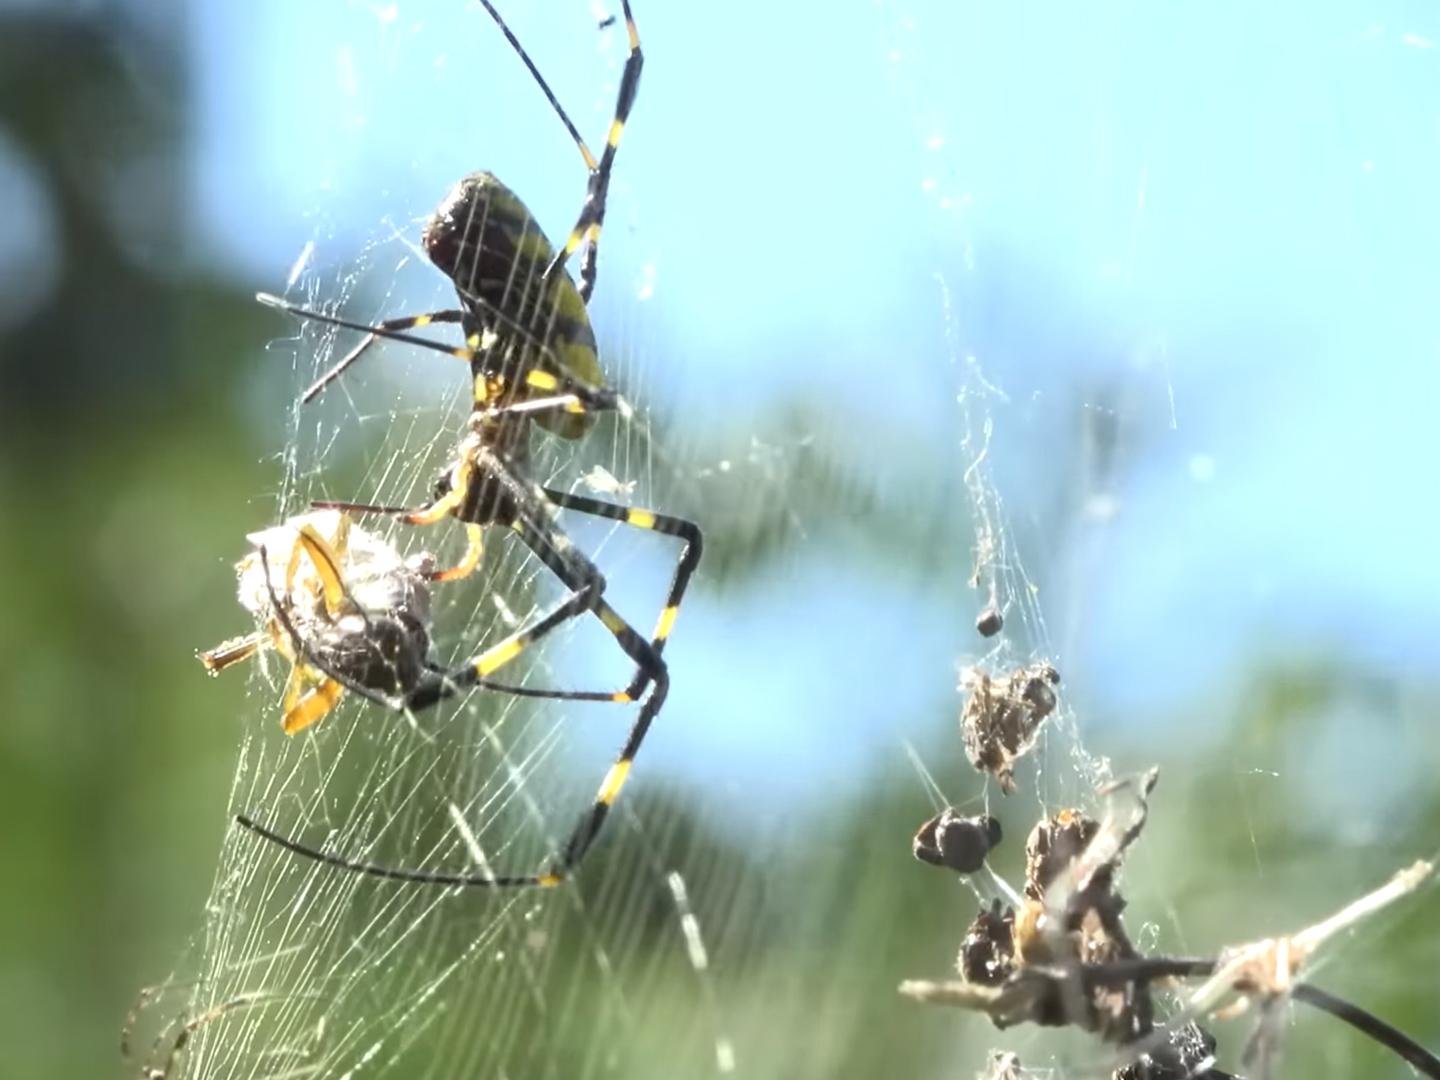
[{"x": 1162, "y": 281}]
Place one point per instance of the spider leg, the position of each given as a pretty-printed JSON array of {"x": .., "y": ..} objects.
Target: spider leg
[
  {"x": 448, "y": 683},
  {"x": 374, "y": 330},
  {"x": 470, "y": 561},
  {"x": 592, "y": 212},
  {"x": 544, "y": 86},
  {"x": 571, "y": 396},
  {"x": 402, "y": 322},
  {"x": 574, "y": 395},
  {"x": 533, "y": 523},
  {"x": 572, "y": 853},
  {"x": 354, "y": 866},
  {"x": 534, "y": 527},
  {"x": 587, "y": 830},
  {"x": 474, "y": 671},
  {"x": 686, "y": 531},
  {"x": 428, "y": 514}
]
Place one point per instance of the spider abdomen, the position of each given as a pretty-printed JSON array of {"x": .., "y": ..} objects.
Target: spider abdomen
[{"x": 521, "y": 317}]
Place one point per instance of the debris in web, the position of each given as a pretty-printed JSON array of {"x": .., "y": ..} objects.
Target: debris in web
[
  {"x": 959, "y": 843},
  {"x": 989, "y": 622},
  {"x": 987, "y": 951},
  {"x": 603, "y": 482},
  {"x": 341, "y": 604},
  {"x": 1063, "y": 958},
  {"x": 1002, "y": 715},
  {"x": 1003, "y": 1065}
]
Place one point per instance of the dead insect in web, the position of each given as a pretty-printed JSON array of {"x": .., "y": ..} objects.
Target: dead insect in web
[
  {"x": 1002, "y": 715},
  {"x": 1065, "y": 959},
  {"x": 349, "y": 613},
  {"x": 1052, "y": 846},
  {"x": 1069, "y": 914},
  {"x": 1072, "y": 909},
  {"x": 987, "y": 952},
  {"x": 956, "y": 842},
  {"x": 989, "y": 622}
]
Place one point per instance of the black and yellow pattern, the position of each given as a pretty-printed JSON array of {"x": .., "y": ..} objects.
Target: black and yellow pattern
[
  {"x": 527, "y": 329},
  {"x": 533, "y": 359},
  {"x": 483, "y": 488}
]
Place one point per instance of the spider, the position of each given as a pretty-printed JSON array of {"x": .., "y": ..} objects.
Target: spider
[
  {"x": 527, "y": 329},
  {"x": 533, "y": 360}
]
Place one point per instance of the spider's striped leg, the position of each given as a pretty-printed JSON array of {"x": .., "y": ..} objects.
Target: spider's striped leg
[
  {"x": 553, "y": 548},
  {"x": 533, "y": 522},
  {"x": 437, "y": 510},
  {"x": 461, "y": 477},
  {"x": 540, "y": 81},
  {"x": 592, "y": 213},
  {"x": 535, "y": 526},
  {"x": 382, "y": 329},
  {"x": 666, "y": 524},
  {"x": 570, "y": 394},
  {"x": 374, "y": 330},
  {"x": 587, "y": 830},
  {"x": 567, "y": 395},
  {"x": 572, "y": 854},
  {"x": 413, "y": 877},
  {"x": 474, "y": 672}
]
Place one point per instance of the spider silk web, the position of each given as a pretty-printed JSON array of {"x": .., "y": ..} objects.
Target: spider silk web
[{"x": 933, "y": 316}]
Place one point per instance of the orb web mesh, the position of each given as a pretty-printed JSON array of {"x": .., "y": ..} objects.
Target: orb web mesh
[
  {"x": 967, "y": 406},
  {"x": 336, "y": 975}
]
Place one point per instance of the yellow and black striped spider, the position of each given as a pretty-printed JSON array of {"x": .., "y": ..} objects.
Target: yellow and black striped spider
[{"x": 533, "y": 360}]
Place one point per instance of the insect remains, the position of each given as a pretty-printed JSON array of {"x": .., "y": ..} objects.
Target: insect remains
[{"x": 1002, "y": 715}]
